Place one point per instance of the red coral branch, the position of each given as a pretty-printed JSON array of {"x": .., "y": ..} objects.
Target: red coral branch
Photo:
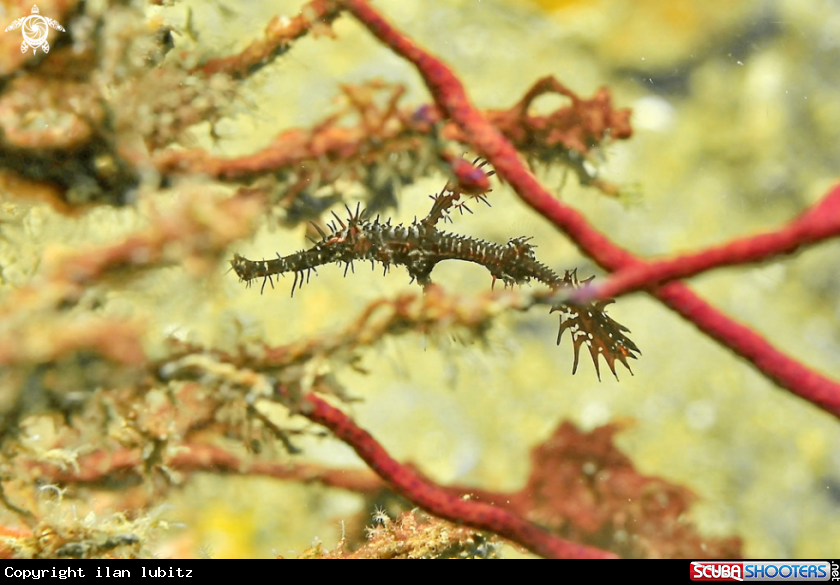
[
  {"x": 779, "y": 367},
  {"x": 820, "y": 222},
  {"x": 436, "y": 499},
  {"x": 334, "y": 145},
  {"x": 279, "y": 34},
  {"x": 451, "y": 97}
]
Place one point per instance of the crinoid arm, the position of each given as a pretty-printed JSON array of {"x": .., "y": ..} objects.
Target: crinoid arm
[{"x": 590, "y": 325}]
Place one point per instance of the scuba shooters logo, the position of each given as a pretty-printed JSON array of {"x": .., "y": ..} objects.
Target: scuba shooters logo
[
  {"x": 35, "y": 28},
  {"x": 721, "y": 571},
  {"x": 761, "y": 570}
]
